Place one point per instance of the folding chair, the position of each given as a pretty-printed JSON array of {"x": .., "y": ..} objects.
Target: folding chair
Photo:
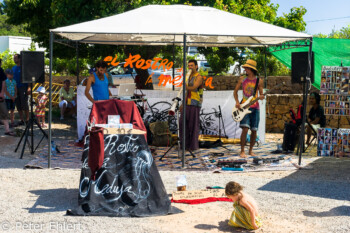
[{"x": 313, "y": 138}]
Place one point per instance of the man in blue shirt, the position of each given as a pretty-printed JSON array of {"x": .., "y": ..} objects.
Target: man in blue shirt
[
  {"x": 22, "y": 90},
  {"x": 98, "y": 81}
]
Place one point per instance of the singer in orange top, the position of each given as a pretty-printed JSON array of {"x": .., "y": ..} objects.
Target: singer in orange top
[{"x": 194, "y": 99}]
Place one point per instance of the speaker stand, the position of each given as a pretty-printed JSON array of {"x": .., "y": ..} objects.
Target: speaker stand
[
  {"x": 302, "y": 131},
  {"x": 29, "y": 127}
]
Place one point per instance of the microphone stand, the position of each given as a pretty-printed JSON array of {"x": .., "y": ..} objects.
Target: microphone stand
[
  {"x": 178, "y": 132},
  {"x": 221, "y": 120},
  {"x": 142, "y": 94}
]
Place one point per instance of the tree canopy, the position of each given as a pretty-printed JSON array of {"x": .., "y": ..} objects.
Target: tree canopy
[
  {"x": 38, "y": 16},
  {"x": 343, "y": 33},
  {"x": 7, "y": 29}
]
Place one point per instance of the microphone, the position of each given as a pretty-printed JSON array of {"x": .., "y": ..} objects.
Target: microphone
[{"x": 177, "y": 98}]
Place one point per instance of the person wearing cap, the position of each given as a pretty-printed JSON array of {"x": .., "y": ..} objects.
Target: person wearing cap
[
  {"x": 41, "y": 101},
  {"x": 23, "y": 90},
  {"x": 4, "y": 117},
  {"x": 68, "y": 99},
  {"x": 10, "y": 95},
  {"x": 251, "y": 120}
]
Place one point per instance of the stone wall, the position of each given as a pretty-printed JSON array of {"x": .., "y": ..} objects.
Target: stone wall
[
  {"x": 223, "y": 83},
  {"x": 229, "y": 83},
  {"x": 278, "y": 102},
  {"x": 277, "y": 112}
]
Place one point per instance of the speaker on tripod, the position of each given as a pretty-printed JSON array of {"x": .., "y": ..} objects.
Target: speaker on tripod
[
  {"x": 32, "y": 67},
  {"x": 32, "y": 71},
  {"x": 299, "y": 67}
]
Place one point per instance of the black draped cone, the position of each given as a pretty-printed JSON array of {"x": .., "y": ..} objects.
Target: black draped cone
[{"x": 127, "y": 183}]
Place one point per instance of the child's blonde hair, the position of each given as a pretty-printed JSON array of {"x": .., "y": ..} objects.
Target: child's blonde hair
[{"x": 233, "y": 188}]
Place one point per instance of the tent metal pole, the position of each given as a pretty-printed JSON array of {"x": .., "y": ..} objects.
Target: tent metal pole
[
  {"x": 265, "y": 68},
  {"x": 184, "y": 103},
  {"x": 77, "y": 52},
  {"x": 305, "y": 94},
  {"x": 173, "y": 66},
  {"x": 50, "y": 98}
]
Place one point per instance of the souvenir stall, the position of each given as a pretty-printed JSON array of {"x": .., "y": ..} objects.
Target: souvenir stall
[{"x": 336, "y": 95}]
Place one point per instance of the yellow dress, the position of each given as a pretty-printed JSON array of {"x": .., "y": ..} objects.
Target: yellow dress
[{"x": 240, "y": 217}]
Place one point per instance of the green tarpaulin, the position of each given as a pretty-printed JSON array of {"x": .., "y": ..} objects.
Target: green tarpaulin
[{"x": 327, "y": 52}]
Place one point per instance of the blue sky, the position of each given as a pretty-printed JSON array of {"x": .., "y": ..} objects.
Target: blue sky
[{"x": 338, "y": 11}]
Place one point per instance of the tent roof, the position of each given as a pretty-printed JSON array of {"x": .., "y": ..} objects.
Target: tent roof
[{"x": 166, "y": 24}]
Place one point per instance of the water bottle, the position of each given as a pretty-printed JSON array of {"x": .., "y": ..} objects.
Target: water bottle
[
  {"x": 279, "y": 145},
  {"x": 53, "y": 148}
]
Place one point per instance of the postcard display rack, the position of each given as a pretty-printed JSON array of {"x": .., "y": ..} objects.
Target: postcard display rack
[{"x": 335, "y": 89}]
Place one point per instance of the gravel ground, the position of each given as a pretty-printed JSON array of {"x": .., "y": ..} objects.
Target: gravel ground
[{"x": 316, "y": 200}]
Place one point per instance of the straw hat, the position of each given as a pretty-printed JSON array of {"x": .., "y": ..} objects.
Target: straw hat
[
  {"x": 250, "y": 64},
  {"x": 41, "y": 90}
]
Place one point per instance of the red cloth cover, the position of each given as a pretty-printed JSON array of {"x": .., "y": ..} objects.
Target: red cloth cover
[
  {"x": 100, "y": 110},
  {"x": 126, "y": 109},
  {"x": 96, "y": 150},
  {"x": 204, "y": 200}
]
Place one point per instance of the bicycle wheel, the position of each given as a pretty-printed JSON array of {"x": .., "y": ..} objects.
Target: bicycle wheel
[{"x": 161, "y": 113}]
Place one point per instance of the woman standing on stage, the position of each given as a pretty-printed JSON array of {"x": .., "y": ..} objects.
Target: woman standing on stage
[{"x": 98, "y": 81}]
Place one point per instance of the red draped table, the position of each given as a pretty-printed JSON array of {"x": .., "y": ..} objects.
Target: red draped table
[{"x": 126, "y": 109}]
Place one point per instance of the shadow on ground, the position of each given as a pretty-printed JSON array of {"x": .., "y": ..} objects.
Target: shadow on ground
[
  {"x": 64, "y": 129},
  {"x": 222, "y": 227},
  {"x": 329, "y": 178},
  {"x": 337, "y": 211},
  {"x": 54, "y": 200}
]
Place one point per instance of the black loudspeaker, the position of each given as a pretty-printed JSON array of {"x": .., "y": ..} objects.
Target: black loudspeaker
[
  {"x": 32, "y": 67},
  {"x": 289, "y": 137},
  {"x": 299, "y": 67}
]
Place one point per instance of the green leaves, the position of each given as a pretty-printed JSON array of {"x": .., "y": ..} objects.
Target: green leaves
[
  {"x": 7, "y": 59},
  {"x": 343, "y": 33},
  {"x": 36, "y": 17},
  {"x": 294, "y": 20},
  {"x": 7, "y": 29}
]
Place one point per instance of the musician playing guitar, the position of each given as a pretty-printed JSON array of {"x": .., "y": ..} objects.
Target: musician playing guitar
[{"x": 251, "y": 85}]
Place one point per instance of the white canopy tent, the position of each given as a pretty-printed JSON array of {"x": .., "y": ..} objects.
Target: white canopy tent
[
  {"x": 166, "y": 24},
  {"x": 180, "y": 25}
]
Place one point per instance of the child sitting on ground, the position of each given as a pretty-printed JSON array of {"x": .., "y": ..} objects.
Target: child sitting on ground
[
  {"x": 41, "y": 101},
  {"x": 245, "y": 213}
]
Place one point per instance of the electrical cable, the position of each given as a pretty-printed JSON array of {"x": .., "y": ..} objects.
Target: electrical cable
[{"x": 320, "y": 20}]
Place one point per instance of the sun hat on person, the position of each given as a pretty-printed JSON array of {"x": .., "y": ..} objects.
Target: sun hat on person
[
  {"x": 250, "y": 64},
  {"x": 41, "y": 90}
]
